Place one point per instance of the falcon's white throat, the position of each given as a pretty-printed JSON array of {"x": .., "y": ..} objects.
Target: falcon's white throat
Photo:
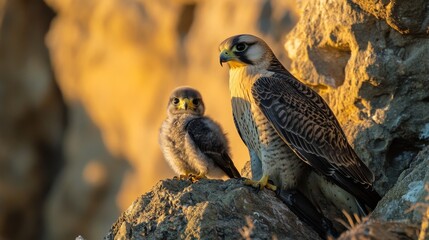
[{"x": 241, "y": 78}]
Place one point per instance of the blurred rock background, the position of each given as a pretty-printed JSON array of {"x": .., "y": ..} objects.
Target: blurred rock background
[
  {"x": 84, "y": 87},
  {"x": 83, "y": 90}
]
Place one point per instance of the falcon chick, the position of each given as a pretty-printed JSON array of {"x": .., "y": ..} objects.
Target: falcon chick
[
  {"x": 289, "y": 129},
  {"x": 193, "y": 144}
]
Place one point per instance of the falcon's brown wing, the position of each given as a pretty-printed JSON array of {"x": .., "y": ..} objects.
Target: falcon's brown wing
[{"x": 306, "y": 123}]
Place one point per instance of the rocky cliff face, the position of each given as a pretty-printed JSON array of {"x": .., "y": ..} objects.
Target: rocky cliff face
[
  {"x": 115, "y": 63},
  {"x": 406, "y": 17},
  {"x": 216, "y": 209},
  {"x": 373, "y": 77}
]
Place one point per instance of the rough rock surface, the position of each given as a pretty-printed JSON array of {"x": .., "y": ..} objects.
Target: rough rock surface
[
  {"x": 208, "y": 209},
  {"x": 380, "y": 230},
  {"x": 374, "y": 79},
  {"x": 407, "y": 192},
  {"x": 216, "y": 209},
  {"x": 405, "y": 16}
]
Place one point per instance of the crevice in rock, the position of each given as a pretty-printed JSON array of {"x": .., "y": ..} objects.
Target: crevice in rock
[
  {"x": 381, "y": 100},
  {"x": 399, "y": 155},
  {"x": 358, "y": 103},
  {"x": 379, "y": 144},
  {"x": 425, "y": 99},
  {"x": 330, "y": 63}
]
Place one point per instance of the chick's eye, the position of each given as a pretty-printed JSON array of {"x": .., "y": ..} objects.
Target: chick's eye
[
  {"x": 241, "y": 47},
  {"x": 175, "y": 101},
  {"x": 196, "y": 102}
]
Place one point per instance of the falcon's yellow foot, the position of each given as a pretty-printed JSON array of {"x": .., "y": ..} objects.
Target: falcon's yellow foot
[
  {"x": 183, "y": 176},
  {"x": 196, "y": 178},
  {"x": 262, "y": 183}
]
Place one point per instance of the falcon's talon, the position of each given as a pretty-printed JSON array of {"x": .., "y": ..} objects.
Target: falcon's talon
[
  {"x": 272, "y": 187},
  {"x": 196, "y": 178},
  {"x": 261, "y": 184},
  {"x": 182, "y": 177}
]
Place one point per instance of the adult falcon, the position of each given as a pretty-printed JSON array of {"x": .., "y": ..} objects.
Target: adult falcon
[{"x": 276, "y": 115}]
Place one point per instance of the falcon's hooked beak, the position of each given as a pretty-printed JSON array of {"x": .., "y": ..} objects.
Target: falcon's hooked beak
[{"x": 226, "y": 56}]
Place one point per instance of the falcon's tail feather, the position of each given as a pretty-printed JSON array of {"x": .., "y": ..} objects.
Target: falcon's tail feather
[
  {"x": 307, "y": 212},
  {"x": 230, "y": 170},
  {"x": 366, "y": 195},
  {"x": 224, "y": 162}
]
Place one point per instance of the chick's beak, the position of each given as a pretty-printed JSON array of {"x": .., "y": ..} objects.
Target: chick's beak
[
  {"x": 225, "y": 56},
  {"x": 185, "y": 104}
]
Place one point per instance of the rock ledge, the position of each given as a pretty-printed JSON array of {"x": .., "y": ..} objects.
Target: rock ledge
[{"x": 176, "y": 209}]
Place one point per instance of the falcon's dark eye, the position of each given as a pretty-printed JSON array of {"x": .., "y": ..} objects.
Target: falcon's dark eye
[
  {"x": 196, "y": 102},
  {"x": 240, "y": 47},
  {"x": 175, "y": 101}
]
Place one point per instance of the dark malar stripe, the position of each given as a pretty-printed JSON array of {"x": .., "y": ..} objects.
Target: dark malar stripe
[{"x": 244, "y": 59}]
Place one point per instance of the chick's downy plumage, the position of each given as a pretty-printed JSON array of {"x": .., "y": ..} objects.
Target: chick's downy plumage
[{"x": 193, "y": 144}]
